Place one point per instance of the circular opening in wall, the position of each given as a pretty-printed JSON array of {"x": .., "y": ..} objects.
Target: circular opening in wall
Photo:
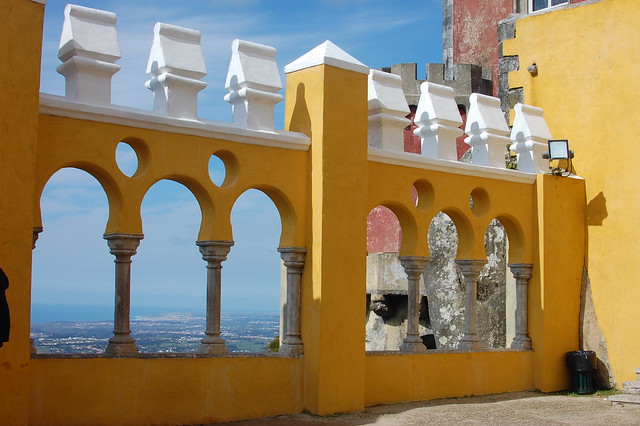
[
  {"x": 217, "y": 170},
  {"x": 126, "y": 159},
  {"x": 422, "y": 194},
  {"x": 479, "y": 202}
]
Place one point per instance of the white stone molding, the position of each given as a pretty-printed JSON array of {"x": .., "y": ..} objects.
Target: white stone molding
[
  {"x": 253, "y": 81},
  {"x": 414, "y": 267},
  {"x": 388, "y": 109},
  {"x": 214, "y": 253},
  {"x": 175, "y": 67},
  {"x": 88, "y": 50},
  {"x": 438, "y": 120},
  {"x": 530, "y": 135},
  {"x": 487, "y": 130},
  {"x": 522, "y": 273},
  {"x": 115, "y": 114},
  {"x": 122, "y": 246},
  {"x": 293, "y": 258},
  {"x": 470, "y": 269},
  {"x": 327, "y": 53}
]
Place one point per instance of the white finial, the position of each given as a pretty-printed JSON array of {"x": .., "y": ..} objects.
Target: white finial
[
  {"x": 88, "y": 50},
  {"x": 438, "y": 119},
  {"x": 253, "y": 81},
  {"x": 487, "y": 131},
  {"x": 530, "y": 135},
  {"x": 175, "y": 68},
  {"x": 327, "y": 53},
  {"x": 387, "y": 111}
]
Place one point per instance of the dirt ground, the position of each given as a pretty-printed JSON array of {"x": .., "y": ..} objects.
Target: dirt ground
[{"x": 521, "y": 408}]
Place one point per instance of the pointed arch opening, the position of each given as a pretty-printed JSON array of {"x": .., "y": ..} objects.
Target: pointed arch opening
[
  {"x": 168, "y": 279},
  {"x": 252, "y": 277},
  {"x": 496, "y": 290},
  {"x": 72, "y": 277}
]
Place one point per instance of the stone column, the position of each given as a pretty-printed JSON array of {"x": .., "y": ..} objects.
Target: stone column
[
  {"x": 122, "y": 246},
  {"x": 36, "y": 233},
  {"x": 522, "y": 274},
  {"x": 214, "y": 253},
  {"x": 470, "y": 270},
  {"x": 413, "y": 266},
  {"x": 293, "y": 258}
]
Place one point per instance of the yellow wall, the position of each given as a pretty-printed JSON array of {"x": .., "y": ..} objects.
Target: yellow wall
[
  {"x": 401, "y": 378},
  {"x": 587, "y": 58},
  {"x": 333, "y": 319},
  {"x": 160, "y": 391},
  {"x": 19, "y": 83}
]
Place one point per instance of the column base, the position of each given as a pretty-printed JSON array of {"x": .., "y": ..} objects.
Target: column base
[
  {"x": 521, "y": 342},
  {"x": 122, "y": 347},
  {"x": 413, "y": 347},
  {"x": 470, "y": 343},
  {"x": 413, "y": 344},
  {"x": 291, "y": 349},
  {"x": 213, "y": 348}
]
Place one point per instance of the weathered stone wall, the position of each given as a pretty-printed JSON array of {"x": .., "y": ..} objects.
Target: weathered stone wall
[{"x": 442, "y": 312}]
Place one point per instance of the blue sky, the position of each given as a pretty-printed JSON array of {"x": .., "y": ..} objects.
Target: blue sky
[{"x": 72, "y": 264}]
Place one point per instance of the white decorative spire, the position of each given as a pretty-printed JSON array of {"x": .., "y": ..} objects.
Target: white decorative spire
[
  {"x": 530, "y": 135},
  {"x": 387, "y": 111},
  {"x": 438, "y": 120},
  {"x": 88, "y": 50},
  {"x": 175, "y": 68},
  {"x": 487, "y": 131},
  {"x": 327, "y": 53},
  {"x": 253, "y": 81}
]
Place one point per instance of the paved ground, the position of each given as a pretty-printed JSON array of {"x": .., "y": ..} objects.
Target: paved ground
[{"x": 521, "y": 408}]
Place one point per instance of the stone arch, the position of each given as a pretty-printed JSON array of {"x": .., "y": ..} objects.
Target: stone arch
[
  {"x": 289, "y": 236},
  {"x": 466, "y": 236},
  {"x": 519, "y": 248},
  {"x": 202, "y": 196},
  {"x": 409, "y": 231},
  {"x": 104, "y": 178}
]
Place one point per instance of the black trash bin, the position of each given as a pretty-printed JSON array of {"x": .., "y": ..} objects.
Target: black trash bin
[{"x": 581, "y": 366}]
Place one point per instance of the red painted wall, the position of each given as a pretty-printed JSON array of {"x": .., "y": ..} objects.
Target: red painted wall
[{"x": 475, "y": 32}]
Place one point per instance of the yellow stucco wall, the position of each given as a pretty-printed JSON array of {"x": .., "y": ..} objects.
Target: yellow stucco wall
[
  {"x": 160, "y": 391},
  {"x": 19, "y": 83},
  {"x": 587, "y": 84},
  {"x": 445, "y": 375}
]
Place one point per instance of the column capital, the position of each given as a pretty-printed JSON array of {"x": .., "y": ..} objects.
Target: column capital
[
  {"x": 293, "y": 257},
  {"x": 414, "y": 264},
  {"x": 521, "y": 271},
  {"x": 469, "y": 266},
  {"x": 214, "y": 250},
  {"x": 122, "y": 244},
  {"x": 36, "y": 233}
]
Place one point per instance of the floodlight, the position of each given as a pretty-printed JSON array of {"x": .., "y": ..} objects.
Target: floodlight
[{"x": 558, "y": 150}]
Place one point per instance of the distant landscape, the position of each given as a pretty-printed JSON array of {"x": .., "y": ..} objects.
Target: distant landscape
[{"x": 169, "y": 332}]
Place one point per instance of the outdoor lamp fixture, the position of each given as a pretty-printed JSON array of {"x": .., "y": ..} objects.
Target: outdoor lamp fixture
[{"x": 559, "y": 150}]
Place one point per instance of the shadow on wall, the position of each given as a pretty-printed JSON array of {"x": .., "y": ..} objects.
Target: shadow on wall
[{"x": 596, "y": 211}]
